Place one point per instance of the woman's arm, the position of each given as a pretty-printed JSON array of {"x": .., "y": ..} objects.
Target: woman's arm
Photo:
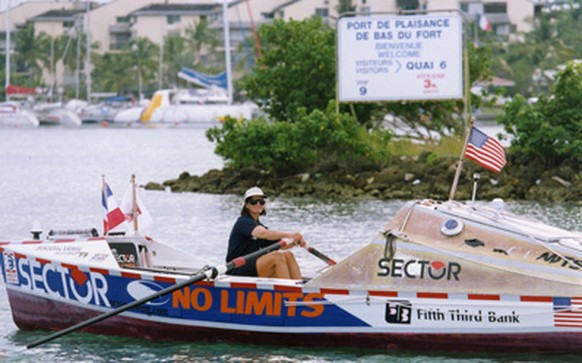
[{"x": 272, "y": 235}]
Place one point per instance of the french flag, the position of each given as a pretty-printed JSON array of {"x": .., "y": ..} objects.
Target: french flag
[
  {"x": 113, "y": 215},
  {"x": 484, "y": 23}
]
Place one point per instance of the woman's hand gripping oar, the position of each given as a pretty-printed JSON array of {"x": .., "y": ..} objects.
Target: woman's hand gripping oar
[{"x": 207, "y": 273}]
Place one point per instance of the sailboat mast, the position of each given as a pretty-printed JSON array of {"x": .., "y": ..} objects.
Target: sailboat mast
[
  {"x": 8, "y": 29},
  {"x": 88, "y": 52},
  {"x": 134, "y": 206},
  {"x": 78, "y": 59},
  {"x": 227, "y": 50},
  {"x": 104, "y": 196}
]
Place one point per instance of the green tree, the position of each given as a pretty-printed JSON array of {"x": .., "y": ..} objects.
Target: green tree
[
  {"x": 408, "y": 4},
  {"x": 424, "y": 117},
  {"x": 548, "y": 133},
  {"x": 297, "y": 68},
  {"x": 569, "y": 26},
  {"x": 32, "y": 54},
  {"x": 175, "y": 58},
  {"x": 71, "y": 49},
  {"x": 345, "y": 6},
  {"x": 315, "y": 140},
  {"x": 556, "y": 38},
  {"x": 115, "y": 72},
  {"x": 200, "y": 43},
  {"x": 122, "y": 72},
  {"x": 145, "y": 56}
]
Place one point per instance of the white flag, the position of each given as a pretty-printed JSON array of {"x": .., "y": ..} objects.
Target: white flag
[{"x": 133, "y": 211}]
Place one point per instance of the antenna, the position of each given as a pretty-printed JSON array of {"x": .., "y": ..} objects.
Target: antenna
[{"x": 476, "y": 177}]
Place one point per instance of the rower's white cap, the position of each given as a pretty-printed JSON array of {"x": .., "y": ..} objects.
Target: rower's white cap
[{"x": 253, "y": 192}]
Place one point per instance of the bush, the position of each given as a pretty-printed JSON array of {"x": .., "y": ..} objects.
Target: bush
[
  {"x": 314, "y": 139},
  {"x": 548, "y": 132}
]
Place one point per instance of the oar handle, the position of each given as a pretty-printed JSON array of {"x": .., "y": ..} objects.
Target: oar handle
[
  {"x": 320, "y": 255},
  {"x": 207, "y": 273},
  {"x": 240, "y": 261}
]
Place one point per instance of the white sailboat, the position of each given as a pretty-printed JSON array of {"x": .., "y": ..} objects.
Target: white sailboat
[
  {"x": 29, "y": 112},
  {"x": 174, "y": 107},
  {"x": 13, "y": 115},
  {"x": 184, "y": 106},
  {"x": 54, "y": 113}
]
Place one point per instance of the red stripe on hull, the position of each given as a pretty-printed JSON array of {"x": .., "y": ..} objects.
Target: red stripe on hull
[
  {"x": 432, "y": 295},
  {"x": 34, "y": 313}
]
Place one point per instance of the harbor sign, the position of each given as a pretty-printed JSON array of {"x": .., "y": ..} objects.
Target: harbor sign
[{"x": 404, "y": 57}]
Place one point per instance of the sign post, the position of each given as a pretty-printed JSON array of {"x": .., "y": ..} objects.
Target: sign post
[{"x": 411, "y": 57}]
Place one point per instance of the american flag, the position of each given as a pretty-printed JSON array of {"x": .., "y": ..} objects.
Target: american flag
[
  {"x": 568, "y": 312},
  {"x": 485, "y": 151}
]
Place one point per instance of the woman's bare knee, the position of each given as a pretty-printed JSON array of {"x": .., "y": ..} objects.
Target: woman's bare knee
[
  {"x": 267, "y": 264},
  {"x": 289, "y": 256}
]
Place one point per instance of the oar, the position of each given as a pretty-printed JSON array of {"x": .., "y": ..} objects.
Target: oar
[
  {"x": 209, "y": 273},
  {"x": 320, "y": 255}
]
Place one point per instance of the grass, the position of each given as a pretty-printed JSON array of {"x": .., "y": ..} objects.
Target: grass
[{"x": 447, "y": 146}]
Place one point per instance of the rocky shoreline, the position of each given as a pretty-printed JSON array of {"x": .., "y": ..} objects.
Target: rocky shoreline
[{"x": 405, "y": 177}]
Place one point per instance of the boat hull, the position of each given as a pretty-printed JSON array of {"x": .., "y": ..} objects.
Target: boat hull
[
  {"x": 187, "y": 114},
  {"x": 36, "y": 313},
  {"x": 397, "y": 294},
  {"x": 12, "y": 115}
]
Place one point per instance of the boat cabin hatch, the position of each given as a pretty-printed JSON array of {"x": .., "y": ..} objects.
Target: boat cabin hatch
[{"x": 127, "y": 253}]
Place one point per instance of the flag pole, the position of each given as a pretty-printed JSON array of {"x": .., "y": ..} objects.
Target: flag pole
[
  {"x": 104, "y": 197},
  {"x": 134, "y": 211},
  {"x": 468, "y": 118}
]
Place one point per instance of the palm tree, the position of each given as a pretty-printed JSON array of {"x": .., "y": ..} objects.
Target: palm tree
[
  {"x": 569, "y": 26},
  {"x": 548, "y": 45},
  {"x": 345, "y": 6},
  {"x": 201, "y": 41},
  {"x": 32, "y": 54},
  {"x": 132, "y": 70},
  {"x": 114, "y": 72},
  {"x": 175, "y": 57},
  {"x": 145, "y": 57},
  {"x": 71, "y": 48}
]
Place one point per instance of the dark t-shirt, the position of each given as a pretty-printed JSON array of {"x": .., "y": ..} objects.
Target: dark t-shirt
[{"x": 242, "y": 242}]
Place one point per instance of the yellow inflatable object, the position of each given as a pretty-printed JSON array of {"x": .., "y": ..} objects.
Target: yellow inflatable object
[{"x": 154, "y": 104}]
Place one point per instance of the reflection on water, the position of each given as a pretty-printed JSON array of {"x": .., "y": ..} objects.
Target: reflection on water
[{"x": 53, "y": 176}]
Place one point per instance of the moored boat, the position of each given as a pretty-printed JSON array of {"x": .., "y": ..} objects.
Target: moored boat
[
  {"x": 441, "y": 276},
  {"x": 51, "y": 114},
  {"x": 13, "y": 115},
  {"x": 174, "y": 107},
  {"x": 100, "y": 112}
]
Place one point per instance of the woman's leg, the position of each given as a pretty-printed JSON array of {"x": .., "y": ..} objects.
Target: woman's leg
[
  {"x": 273, "y": 264},
  {"x": 292, "y": 265}
]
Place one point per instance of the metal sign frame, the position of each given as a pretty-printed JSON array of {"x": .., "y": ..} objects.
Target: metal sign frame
[{"x": 464, "y": 72}]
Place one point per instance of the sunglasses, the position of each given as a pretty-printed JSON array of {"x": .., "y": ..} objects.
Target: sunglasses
[{"x": 256, "y": 201}]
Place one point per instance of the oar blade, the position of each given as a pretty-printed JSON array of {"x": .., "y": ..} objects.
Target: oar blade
[{"x": 321, "y": 256}]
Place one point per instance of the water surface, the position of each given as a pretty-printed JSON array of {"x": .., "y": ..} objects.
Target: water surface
[{"x": 52, "y": 177}]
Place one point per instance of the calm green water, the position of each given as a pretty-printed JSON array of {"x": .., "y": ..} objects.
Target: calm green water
[{"x": 53, "y": 176}]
